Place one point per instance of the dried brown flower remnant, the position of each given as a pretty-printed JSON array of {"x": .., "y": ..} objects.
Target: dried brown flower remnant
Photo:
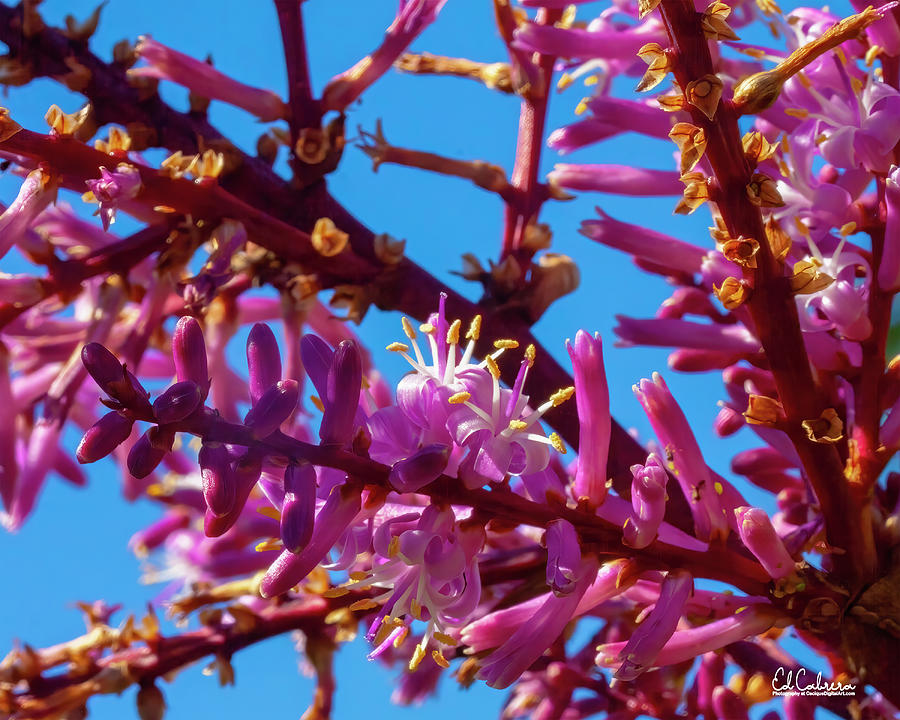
[
  {"x": 763, "y": 192},
  {"x": 496, "y": 76},
  {"x": 763, "y": 410},
  {"x": 807, "y": 279},
  {"x": 389, "y": 250},
  {"x": 704, "y": 94},
  {"x": 8, "y": 126},
  {"x": 696, "y": 192},
  {"x": 691, "y": 141},
  {"x": 827, "y": 428},
  {"x": 779, "y": 241},
  {"x": 713, "y": 22},
  {"x": 658, "y": 66},
  {"x": 756, "y": 148},
  {"x": 327, "y": 239},
  {"x": 732, "y": 293}
]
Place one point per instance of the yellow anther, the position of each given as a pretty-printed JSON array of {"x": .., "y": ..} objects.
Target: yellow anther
[
  {"x": 591, "y": 80},
  {"x": 492, "y": 367},
  {"x": 444, "y": 638},
  {"x": 474, "y": 330},
  {"x": 459, "y": 398},
  {"x": 582, "y": 106},
  {"x": 320, "y": 406},
  {"x": 358, "y": 575},
  {"x": 804, "y": 81},
  {"x": 401, "y": 636},
  {"x": 557, "y": 443},
  {"x": 394, "y": 546},
  {"x": 840, "y": 55},
  {"x": 383, "y": 632},
  {"x": 517, "y": 425},
  {"x": 269, "y": 512},
  {"x": 530, "y": 354},
  {"x": 857, "y": 85},
  {"x": 797, "y": 113},
  {"x": 872, "y": 53},
  {"x": 560, "y": 396},
  {"x": 439, "y": 659},
  {"x": 720, "y": 489},
  {"x": 426, "y": 328},
  {"x": 416, "y": 608},
  {"x": 453, "y": 333},
  {"x": 848, "y": 229},
  {"x": 335, "y": 592},
  {"x": 397, "y": 347},
  {"x": 157, "y": 490},
  {"x": 801, "y": 226},
  {"x": 417, "y": 657},
  {"x": 564, "y": 81},
  {"x": 269, "y": 544},
  {"x": 408, "y": 328},
  {"x": 506, "y": 344},
  {"x": 364, "y": 604}
]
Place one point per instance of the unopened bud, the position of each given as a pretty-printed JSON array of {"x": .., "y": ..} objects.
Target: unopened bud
[
  {"x": 274, "y": 406},
  {"x": 298, "y": 511},
  {"x": 176, "y": 402},
  {"x": 103, "y": 437},
  {"x": 263, "y": 360},
  {"x": 219, "y": 485},
  {"x": 420, "y": 468}
]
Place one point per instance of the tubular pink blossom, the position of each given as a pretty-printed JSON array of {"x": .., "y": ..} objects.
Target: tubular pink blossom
[
  {"x": 217, "y": 477},
  {"x": 336, "y": 515},
  {"x": 103, "y": 437},
  {"x": 710, "y": 675},
  {"x": 39, "y": 457},
  {"x": 889, "y": 269},
  {"x": 9, "y": 464},
  {"x": 759, "y": 536},
  {"x": 38, "y": 190},
  {"x": 617, "y": 180},
  {"x": 684, "y": 457},
  {"x": 652, "y": 634},
  {"x": 531, "y": 639},
  {"x": 343, "y": 387},
  {"x": 687, "y": 644},
  {"x": 578, "y": 43},
  {"x": 648, "y": 500},
  {"x": 644, "y": 244},
  {"x": 413, "y": 18},
  {"x": 684, "y": 333},
  {"x": 204, "y": 80},
  {"x": 594, "y": 421}
]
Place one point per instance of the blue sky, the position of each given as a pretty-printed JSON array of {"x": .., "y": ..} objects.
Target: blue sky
[{"x": 74, "y": 546}]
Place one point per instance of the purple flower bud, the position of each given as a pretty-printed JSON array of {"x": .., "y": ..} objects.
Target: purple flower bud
[
  {"x": 592, "y": 401},
  {"x": 727, "y": 704},
  {"x": 299, "y": 509},
  {"x": 652, "y": 634},
  {"x": 149, "y": 451},
  {"x": 274, "y": 407},
  {"x": 728, "y": 421},
  {"x": 563, "y": 556},
  {"x": 316, "y": 355},
  {"x": 342, "y": 401},
  {"x": 103, "y": 437},
  {"x": 177, "y": 402},
  {"x": 189, "y": 353},
  {"x": 420, "y": 468},
  {"x": 761, "y": 539},
  {"x": 219, "y": 484},
  {"x": 107, "y": 371},
  {"x": 263, "y": 360},
  {"x": 336, "y": 515},
  {"x": 648, "y": 501},
  {"x": 710, "y": 675},
  {"x": 246, "y": 471}
]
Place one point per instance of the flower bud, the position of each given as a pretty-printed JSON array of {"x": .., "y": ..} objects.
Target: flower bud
[
  {"x": 759, "y": 536},
  {"x": 299, "y": 509},
  {"x": 107, "y": 371},
  {"x": 103, "y": 437},
  {"x": 420, "y": 468},
  {"x": 316, "y": 356},
  {"x": 149, "y": 451},
  {"x": 727, "y": 704},
  {"x": 563, "y": 556},
  {"x": 245, "y": 473},
  {"x": 151, "y": 704},
  {"x": 177, "y": 402},
  {"x": 219, "y": 485},
  {"x": 189, "y": 353},
  {"x": 274, "y": 407},
  {"x": 263, "y": 360},
  {"x": 648, "y": 501},
  {"x": 344, "y": 382}
]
